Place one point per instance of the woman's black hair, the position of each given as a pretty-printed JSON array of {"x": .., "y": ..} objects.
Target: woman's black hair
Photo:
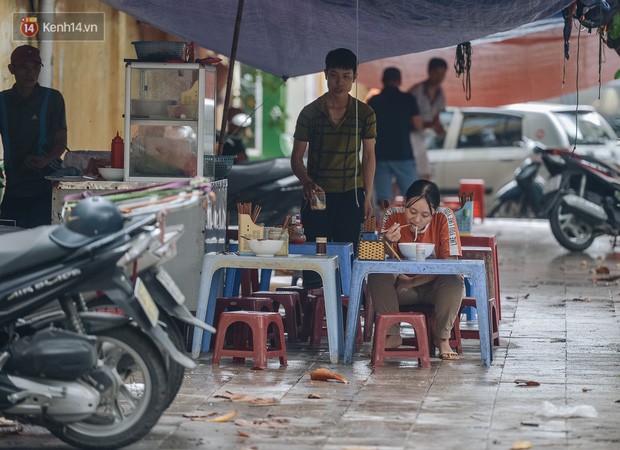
[{"x": 423, "y": 189}]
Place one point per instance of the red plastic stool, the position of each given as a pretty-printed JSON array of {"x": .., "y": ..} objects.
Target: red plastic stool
[
  {"x": 475, "y": 186},
  {"x": 317, "y": 306},
  {"x": 493, "y": 320},
  {"x": 488, "y": 240},
  {"x": 429, "y": 314},
  {"x": 240, "y": 304},
  {"x": 259, "y": 323},
  {"x": 305, "y": 308},
  {"x": 420, "y": 351},
  {"x": 293, "y": 316}
]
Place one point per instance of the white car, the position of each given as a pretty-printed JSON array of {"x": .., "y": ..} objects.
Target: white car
[{"x": 486, "y": 143}]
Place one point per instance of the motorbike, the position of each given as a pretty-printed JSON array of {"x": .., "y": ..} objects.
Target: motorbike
[
  {"x": 581, "y": 198},
  {"x": 271, "y": 184},
  {"x": 95, "y": 380},
  {"x": 523, "y": 196}
]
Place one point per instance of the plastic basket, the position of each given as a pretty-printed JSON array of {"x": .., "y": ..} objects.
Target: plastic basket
[
  {"x": 160, "y": 50},
  {"x": 218, "y": 166}
]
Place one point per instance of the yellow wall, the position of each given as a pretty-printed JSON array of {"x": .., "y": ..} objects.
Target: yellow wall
[{"x": 90, "y": 75}]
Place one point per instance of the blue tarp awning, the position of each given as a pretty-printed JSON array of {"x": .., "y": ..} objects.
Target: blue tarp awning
[{"x": 292, "y": 37}]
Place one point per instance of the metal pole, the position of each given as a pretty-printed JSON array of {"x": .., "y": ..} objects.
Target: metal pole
[{"x": 231, "y": 66}]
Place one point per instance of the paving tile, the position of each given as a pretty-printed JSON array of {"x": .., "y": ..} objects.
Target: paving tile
[{"x": 558, "y": 329}]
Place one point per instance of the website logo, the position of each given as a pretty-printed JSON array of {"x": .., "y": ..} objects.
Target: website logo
[
  {"x": 29, "y": 27},
  {"x": 82, "y": 26}
]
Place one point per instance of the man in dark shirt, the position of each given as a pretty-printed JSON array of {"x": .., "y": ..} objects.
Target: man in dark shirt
[
  {"x": 397, "y": 115},
  {"x": 34, "y": 136}
]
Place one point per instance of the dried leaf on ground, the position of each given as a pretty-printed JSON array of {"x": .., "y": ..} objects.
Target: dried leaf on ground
[
  {"x": 326, "y": 375},
  {"x": 530, "y": 424},
  {"x": 508, "y": 297},
  {"x": 256, "y": 401},
  {"x": 242, "y": 434},
  {"x": 225, "y": 417},
  {"x": 315, "y": 396},
  {"x": 581, "y": 299},
  {"x": 521, "y": 445},
  {"x": 257, "y": 423},
  {"x": 526, "y": 296},
  {"x": 585, "y": 389},
  {"x": 527, "y": 383},
  {"x": 200, "y": 416},
  {"x": 602, "y": 269},
  {"x": 259, "y": 401},
  {"x": 610, "y": 278}
]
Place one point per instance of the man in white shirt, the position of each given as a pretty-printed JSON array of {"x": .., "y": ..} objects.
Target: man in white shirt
[{"x": 431, "y": 101}]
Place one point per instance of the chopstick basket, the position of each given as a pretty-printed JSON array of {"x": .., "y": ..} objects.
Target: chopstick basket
[{"x": 371, "y": 250}]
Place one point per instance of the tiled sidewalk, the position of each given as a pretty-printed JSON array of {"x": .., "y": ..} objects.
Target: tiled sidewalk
[{"x": 558, "y": 328}]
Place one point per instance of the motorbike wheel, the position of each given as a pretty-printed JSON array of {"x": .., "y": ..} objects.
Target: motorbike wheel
[
  {"x": 571, "y": 232},
  {"x": 514, "y": 208},
  {"x": 134, "y": 401},
  {"x": 175, "y": 371}
]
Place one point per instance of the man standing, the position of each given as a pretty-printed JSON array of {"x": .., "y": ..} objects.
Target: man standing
[
  {"x": 34, "y": 135},
  {"x": 431, "y": 101},
  {"x": 333, "y": 129},
  {"x": 397, "y": 115}
]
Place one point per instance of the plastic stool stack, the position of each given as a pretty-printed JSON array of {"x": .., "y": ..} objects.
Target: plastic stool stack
[
  {"x": 317, "y": 311},
  {"x": 493, "y": 320},
  {"x": 421, "y": 349},
  {"x": 259, "y": 323},
  {"x": 305, "y": 309},
  {"x": 293, "y": 316}
]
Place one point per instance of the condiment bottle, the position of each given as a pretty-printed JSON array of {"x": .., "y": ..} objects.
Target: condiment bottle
[
  {"x": 118, "y": 150},
  {"x": 297, "y": 235},
  {"x": 321, "y": 246}
]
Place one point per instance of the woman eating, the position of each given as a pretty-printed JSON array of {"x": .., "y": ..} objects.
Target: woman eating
[{"x": 421, "y": 220}]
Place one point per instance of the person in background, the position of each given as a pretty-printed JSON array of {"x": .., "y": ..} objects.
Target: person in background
[
  {"x": 397, "y": 115},
  {"x": 427, "y": 223},
  {"x": 431, "y": 101},
  {"x": 34, "y": 135},
  {"x": 237, "y": 125},
  {"x": 333, "y": 129}
]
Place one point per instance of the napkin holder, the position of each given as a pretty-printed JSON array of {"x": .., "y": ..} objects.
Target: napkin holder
[{"x": 249, "y": 230}]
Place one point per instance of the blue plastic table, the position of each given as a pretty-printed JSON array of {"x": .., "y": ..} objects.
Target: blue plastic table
[
  {"x": 344, "y": 251},
  {"x": 472, "y": 269},
  {"x": 211, "y": 282}
]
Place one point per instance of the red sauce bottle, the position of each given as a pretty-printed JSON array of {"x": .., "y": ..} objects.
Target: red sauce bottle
[{"x": 118, "y": 152}]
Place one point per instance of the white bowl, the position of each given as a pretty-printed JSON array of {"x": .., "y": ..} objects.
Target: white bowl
[
  {"x": 408, "y": 249},
  {"x": 112, "y": 174},
  {"x": 265, "y": 247}
]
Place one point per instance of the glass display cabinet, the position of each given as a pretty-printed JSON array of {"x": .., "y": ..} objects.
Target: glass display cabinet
[{"x": 169, "y": 120}]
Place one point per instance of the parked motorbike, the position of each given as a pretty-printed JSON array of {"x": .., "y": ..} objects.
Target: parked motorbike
[
  {"x": 271, "y": 184},
  {"x": 582, "y": 198},
  {"x": 95, "y": 380},
  {"x": 523, "y": 196}
]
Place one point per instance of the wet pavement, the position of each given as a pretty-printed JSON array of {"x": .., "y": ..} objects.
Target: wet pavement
[{"x": 559, "y": 329}]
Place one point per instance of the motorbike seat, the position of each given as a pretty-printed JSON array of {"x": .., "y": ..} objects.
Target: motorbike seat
[
  {"x": 243, "y": 176},
  {"x": 29, "y": 248}
]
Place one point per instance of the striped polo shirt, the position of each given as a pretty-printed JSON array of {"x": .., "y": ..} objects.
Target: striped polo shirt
[{"x": 333, "y": 148}]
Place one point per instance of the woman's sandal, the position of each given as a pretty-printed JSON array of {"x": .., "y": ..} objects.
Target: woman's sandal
[{"x": 449, "y": 356}]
